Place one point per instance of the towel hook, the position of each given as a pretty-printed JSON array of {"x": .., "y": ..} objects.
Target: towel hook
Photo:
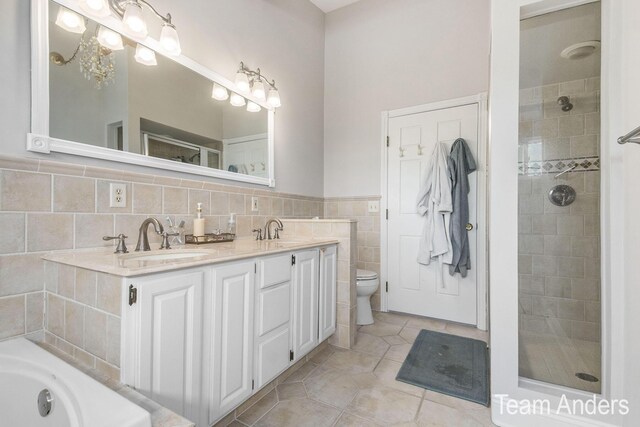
[
  {"x": 419, "y": 149},
  {"x": 401, "y": 151}
]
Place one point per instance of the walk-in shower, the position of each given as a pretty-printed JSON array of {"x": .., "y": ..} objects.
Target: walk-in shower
[{"x": 559, "y": 198}]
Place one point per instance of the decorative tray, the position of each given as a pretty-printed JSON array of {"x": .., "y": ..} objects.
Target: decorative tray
[{"x": 209, "y": 238}]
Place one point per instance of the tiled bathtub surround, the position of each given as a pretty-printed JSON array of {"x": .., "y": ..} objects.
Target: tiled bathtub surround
[
  {"x": 368, "y": 232},
  {"x": 559, "y": 247},
  {"x": 48, "y": 206},
  {"x": 346, "y": 233}
]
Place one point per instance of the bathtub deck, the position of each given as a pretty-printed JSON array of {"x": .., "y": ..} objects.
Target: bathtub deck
[{"x": 160, "y": 416}]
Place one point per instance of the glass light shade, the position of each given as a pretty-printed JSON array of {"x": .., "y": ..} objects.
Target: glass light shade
[
  {"x": 242, "y": 82},
  {"x": 145, "y": 56},
  {"x": 252, "y": 107},
  {"x": 274, "y": 98},
  {"x": 70, "y": 21},
  {"x": 258, "y": 90},
  {"x": 133, "y": 20},
  {"x": 169, "y": 39},
  {"x": 95, "y": 8},
  {"x": 237, "y": 100},
  {"x": 219, "y": 92},
  {"x": 109, "y": 39}
]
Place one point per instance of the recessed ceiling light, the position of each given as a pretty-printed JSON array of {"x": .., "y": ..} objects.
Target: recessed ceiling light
[{"x": 581, "y": 50}]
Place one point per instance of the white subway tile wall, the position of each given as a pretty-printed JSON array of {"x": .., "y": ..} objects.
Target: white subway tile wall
[{"x": 559, "y": 247}]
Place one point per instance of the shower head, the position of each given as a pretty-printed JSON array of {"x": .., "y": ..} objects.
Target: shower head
[{"x": 565, "y": 103}]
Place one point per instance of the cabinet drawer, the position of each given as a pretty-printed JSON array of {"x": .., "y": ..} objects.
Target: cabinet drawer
[
  {"x": 273, "y": 308},
  {"x": 274, "y": 270}
]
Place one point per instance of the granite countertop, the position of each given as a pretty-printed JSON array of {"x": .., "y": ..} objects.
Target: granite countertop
[
  {"x": 131, "y": 264},
  {"x": 160, "y": 416}
]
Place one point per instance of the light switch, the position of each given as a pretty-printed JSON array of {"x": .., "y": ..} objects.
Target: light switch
[{"x": 374, "y": 206}]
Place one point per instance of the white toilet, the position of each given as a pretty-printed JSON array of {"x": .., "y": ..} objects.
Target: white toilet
[{"x": 367, "y": 283}]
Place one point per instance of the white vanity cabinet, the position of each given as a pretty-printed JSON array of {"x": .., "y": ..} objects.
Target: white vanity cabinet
[
  {"x": 166, "y": 311},
  {"x": 305, "y": 302},
  {"x": 200, "y": 341},
  {"x": 327, "y": 292},
  {"x": 230, "y": 331}
]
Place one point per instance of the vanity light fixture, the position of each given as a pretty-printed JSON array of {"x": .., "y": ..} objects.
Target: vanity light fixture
[
  {"x": 133, "y": 21},
  {"x": 237, "y": 100},
  {"x": 70, "y": 21},
  {"x": 247, "y": 79},
  {"x": 109, "y": 39},
  {"x": 219, "y": 92},
  {"x": 252, "y": 107},
  {"x": 145, "y": 56},
  {"x": 131, "y": 13},
  {"x": 96, "y": 8}
]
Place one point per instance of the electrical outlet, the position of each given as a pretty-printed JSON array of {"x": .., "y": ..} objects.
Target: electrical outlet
[
  {"x": 374, "y": 206},
  {"x": 118, "y": 195},
  {"x": 254, "y": 204}
]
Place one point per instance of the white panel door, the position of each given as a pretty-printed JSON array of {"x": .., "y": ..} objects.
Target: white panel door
[
  {"x": 327, "y": 292},
  {"x": 305, "y": 305},
  {"x": 170, "y": 310},
  {"x": 414, "y": 288},
  {"x": 232, "y": 341}
]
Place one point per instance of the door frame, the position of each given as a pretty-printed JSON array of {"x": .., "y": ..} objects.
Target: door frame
[{"x": 483, "y": 119}]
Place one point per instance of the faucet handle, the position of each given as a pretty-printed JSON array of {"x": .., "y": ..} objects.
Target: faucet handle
[
  {"x": 259, "y": 235},
  {"x": 165, "y": 239},
  {"x": 122, "y": 247},
  {"x": 276, "y": 234}
]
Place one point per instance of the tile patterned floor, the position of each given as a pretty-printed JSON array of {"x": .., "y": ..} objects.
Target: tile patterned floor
[
  {"x": 358, "y": 388},
  {"x": 556, "y": 360}
]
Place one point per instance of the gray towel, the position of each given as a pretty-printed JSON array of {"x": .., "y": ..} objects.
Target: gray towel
[{"x": 461, "y": 164}]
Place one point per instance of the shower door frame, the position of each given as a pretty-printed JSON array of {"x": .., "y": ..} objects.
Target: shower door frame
[{"x": 503, "y": 218}]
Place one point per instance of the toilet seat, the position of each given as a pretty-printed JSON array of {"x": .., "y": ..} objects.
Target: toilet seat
[{"x": 366, "y": 275}]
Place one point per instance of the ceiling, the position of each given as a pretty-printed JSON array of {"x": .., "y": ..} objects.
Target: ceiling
[
  {"x": 543, "y": 38},
  {"x": 330, "y": 5}
]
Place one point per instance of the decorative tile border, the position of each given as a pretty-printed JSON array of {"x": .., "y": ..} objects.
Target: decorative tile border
[{"x": 582, "y": 164}]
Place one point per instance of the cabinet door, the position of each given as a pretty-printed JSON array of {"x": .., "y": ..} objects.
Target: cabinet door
[
  {"x": 327, "y": 292},
  {"x": 169, "y": 356},
  {"x": 273, "y": 332},
  {"x": 232, "y": 340},
  {"x": 305, "y": 302}
]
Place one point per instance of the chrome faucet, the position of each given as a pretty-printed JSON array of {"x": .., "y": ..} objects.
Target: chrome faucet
[
  {"x": 143, "y": 240},
  {"x": 277, "y": 230}
]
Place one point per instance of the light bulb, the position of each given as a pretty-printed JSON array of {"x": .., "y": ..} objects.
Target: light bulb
[
  {"x": 219, "y": 92},
  {"x": 70, "y": 21},
  {"x": 95, "y": 8},
  {"x": 133, "y": 20},
  {"x": 258, "y": 90},
  {"x": 109, "y": 39},
  {"x": 242, "y": 82},
  {"x": 237, "y": 100},
  {"x": 169, "y": 39},
  {"x": 252, "y": 107},
  {"x": 145, "y": 56},
  {"x": 274, "y": 98}
]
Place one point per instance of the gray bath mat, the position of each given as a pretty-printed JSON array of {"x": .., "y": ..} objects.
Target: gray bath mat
[{"x": 448, "y": 364}]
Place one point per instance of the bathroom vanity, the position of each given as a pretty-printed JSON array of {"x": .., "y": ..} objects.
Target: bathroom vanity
[{"x": 204, "y": 329}]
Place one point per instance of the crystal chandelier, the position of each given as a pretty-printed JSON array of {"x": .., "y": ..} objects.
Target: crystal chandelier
[{"x": 96, "y": 62}]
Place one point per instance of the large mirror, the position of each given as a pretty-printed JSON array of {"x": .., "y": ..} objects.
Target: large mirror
[{"x": 139, "y": 106}]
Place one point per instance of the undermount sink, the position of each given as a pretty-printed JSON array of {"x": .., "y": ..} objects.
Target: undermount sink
[{"x": 163, "y": 255}]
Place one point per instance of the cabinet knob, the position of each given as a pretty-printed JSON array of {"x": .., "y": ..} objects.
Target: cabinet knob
[{"x": 469, "y": 227}]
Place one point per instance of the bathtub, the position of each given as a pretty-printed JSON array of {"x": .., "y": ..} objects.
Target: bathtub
[{"x": 31, "y": 376}]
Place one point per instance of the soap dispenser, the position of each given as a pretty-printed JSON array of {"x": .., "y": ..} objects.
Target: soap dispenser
[
  {"x": 198, "y": 222},
  {"x": 231, "y": 225}
]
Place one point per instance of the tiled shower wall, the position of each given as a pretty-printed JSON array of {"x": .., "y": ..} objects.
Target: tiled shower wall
[
  {"x": 368, "y": 232},
  {"x": 559, "y": 247},
  {"x": 48, "y": 206}
]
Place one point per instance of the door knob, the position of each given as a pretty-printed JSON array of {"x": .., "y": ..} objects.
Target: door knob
[{"x": 469, "y": 227}]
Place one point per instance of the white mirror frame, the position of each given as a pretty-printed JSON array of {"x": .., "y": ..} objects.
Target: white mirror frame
[{"x": 38, "y": 140}]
